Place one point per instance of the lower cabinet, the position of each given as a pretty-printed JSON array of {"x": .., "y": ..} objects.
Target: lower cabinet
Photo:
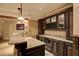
[
  {"x": 48, "y": 43},
  {"x": 69, "y": 49},
  {"x": 61, "y": 48},
  {"x": 40, "y": 38},
  {"x": 57, "y": 47}
]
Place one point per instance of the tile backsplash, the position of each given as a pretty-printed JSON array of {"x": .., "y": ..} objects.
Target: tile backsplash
[{"x": 55, "y": 33}]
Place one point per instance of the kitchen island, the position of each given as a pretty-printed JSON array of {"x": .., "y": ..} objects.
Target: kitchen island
[{"x": 33, "y": 46}]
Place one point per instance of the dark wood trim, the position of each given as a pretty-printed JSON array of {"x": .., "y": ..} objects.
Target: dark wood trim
[
  {"x": 69, "y": 23},
  {"x": 40, "y": 27}
]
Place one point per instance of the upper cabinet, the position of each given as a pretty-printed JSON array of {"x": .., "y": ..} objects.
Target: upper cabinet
[
  {"x": 56, "y": 21},
  {"x": 60, "y": 21},
  {"x": 52, "y": 24}
]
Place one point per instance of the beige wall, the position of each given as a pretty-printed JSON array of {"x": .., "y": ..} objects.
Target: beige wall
[
  {"x": 55, "y": 33},
  {"x": 33, "y": 27},
  {"x": 5, "y": 30},
  {"x": 76, "y": 18}
]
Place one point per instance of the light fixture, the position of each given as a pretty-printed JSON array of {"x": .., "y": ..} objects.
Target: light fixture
[
  {"x": 22, "y": 20},
  {"x": 18, "y": 22},
  {"x": 21, "y": 16}
]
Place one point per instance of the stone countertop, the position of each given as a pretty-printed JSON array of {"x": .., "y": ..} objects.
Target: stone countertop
[
  {"x": 31, "y": 42},
  {"x": 57, "y": 38}
]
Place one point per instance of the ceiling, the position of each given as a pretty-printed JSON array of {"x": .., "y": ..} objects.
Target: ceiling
[{"x": 31, "y": 10}]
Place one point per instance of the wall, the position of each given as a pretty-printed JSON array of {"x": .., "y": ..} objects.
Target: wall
[
  {"x": 5, "y": 30},
  {"x": 55, "y": 33},
  {"x": 33, "y": 27},
  {"x": 76, "y": 18}
]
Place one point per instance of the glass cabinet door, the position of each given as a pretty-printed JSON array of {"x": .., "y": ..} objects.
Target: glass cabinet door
[
  {"x": 61, "y": 21},
  {"x": 53, "y": 19},
  {"x": 47, "y": 20}
]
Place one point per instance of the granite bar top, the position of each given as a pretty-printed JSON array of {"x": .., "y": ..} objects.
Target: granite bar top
[
  {"x": 31, "y": 42},
  {"x": 58, "y": 38}
]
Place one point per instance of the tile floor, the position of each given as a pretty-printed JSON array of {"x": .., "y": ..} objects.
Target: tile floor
[{"x": 8, "y": 50}]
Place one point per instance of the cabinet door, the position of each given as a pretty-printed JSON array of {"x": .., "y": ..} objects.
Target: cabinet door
[
  {"x": 53, "y": 19},
  {"x": 69, "y": 23},
  {"x": 40, "y": 29},
  {"x": 69, "y": 49},
  {"x": 61, "y": 48},
  {"x": 47, "y": 20},
  {"x": 48, "y": 43},
  {"x": 61, "y": 21},
  {"x": 43, "y": 24},
  {"x": 55, "y": 47}
]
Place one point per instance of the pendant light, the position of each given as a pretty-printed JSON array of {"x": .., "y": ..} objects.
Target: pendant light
[
  {"x": 21, "y": 19},
  {"x": 21, "y": 16}
]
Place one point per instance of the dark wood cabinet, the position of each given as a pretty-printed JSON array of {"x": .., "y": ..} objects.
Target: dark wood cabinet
[
  {"x": 69, "y": 49},
  {"x": 61, "y": 20},
  {"x": 57, "y": 47},
  {"x": 36, "y": 51},
  {"x": 51, "y": 26},
  {"x": 44, "y": 24},
  {"x": 54, "y": 47},
  {"x": 53, "y": 23},
  {"x": 69, "y": 23},
  {"x": 61, "y": 48},
  {"x": 48, "y": 43},
  {"x": 40, "y": 27},
  {"x": 75, "y": 45}
]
